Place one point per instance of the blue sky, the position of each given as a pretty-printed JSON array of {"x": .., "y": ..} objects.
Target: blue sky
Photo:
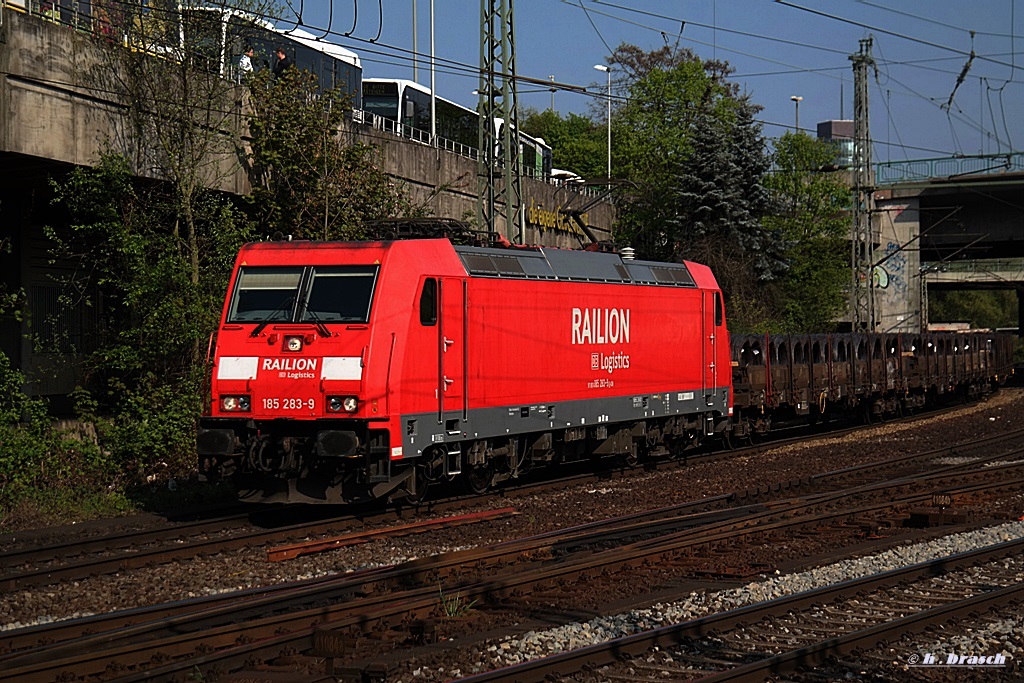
[{"x": 779, "y": 50}]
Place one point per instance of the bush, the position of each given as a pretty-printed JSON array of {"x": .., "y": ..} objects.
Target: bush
[{"x": 37, "y": 459}]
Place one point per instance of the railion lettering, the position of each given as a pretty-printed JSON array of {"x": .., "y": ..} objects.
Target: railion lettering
[
  {"x": 600, "y": 326},
  {"x": 290, "y": 364}
]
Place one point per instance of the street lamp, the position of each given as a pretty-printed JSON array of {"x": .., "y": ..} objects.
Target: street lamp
[
  {"x": 797, "y": 100},
  {"x": 608, "y": 70},
  {"x": 552, "y": 78}
]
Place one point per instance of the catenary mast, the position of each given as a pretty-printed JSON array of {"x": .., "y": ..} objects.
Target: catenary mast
[
  {"x": 498, "y": 169},
  {"x": 863, "y": 240}
]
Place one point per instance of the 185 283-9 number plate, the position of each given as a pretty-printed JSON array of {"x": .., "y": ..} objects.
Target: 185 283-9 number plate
[{"x": 289, "y": 404}]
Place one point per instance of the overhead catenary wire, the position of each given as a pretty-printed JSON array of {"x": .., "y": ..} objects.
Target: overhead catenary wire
[
  {"x": 774, "y": 39},
  {"x": 912, "y": 63},
  {"x": 795, "y": 69},
  {"x": 932, "y": 20},
  {"x": 684, "y": 37},
  {"x": 471, "y": 70},
  {"x": 963, "y": 73},
  {"x": 746, "y": 34},
  {"x": 896, "y": 34},
  {"x": 597, "y": 30},
  {"x": 372, "y": 51}
]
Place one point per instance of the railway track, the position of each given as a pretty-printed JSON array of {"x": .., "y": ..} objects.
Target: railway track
[
  {"x": 750, "y": 644},
  {"x": 343, "y": 616},
  {"x": 75, "y": 558}
]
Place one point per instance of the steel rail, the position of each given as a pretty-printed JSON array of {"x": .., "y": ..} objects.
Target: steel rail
[
  {"x": 610, "y": 652},
  {"x": 379, "y": 608},
  {"x": 640, "y": 523},
  {"x": 261, "y": 600}
]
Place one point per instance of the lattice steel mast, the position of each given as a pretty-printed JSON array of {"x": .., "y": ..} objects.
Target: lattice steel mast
[
  {"x": 498, "y": 169},
  {"x": 863, "y": 239}
]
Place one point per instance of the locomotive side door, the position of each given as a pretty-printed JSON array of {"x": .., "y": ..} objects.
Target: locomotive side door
[
  {"x": 710, "y": 320},
  {"x": 451, "y": 349}
]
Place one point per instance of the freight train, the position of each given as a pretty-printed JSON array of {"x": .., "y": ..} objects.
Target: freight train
[
  {"x": 349, "y": 372},
  {"x": 799, "y": 378}
]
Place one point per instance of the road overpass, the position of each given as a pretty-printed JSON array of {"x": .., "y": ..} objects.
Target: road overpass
[{"x": 962, "y": 230}]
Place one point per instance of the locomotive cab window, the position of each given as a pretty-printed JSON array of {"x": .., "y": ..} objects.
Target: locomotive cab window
[
  {"x": 428, "y": 302},
  {"x": 719, "y": 316},
  {"x": 340, "y": 294},
  {"x": 265, "y": 294},
  {"x": 333, "y": 294}
]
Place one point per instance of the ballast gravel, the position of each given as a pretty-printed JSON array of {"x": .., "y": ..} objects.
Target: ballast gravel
[
  {"x": 536, "y": 644},
  {"x": 235, "y": 570}
]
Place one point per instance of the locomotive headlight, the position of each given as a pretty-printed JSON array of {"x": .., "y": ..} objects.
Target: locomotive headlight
[
  {"x": 293, "y": 344},
  {"x": 337, "y": 404},
  {"x": 235, "y": 404}
]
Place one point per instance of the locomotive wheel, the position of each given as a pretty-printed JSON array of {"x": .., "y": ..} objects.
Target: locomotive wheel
[
  {"x": 422, "y": 484},
  {"x": 260, "y": 455},
  {"x": 478, "y": 479},
  {"x": 427, "y": 472}
]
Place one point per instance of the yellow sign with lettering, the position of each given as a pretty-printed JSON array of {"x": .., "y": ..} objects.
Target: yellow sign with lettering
[{"x": 540, "y": 217}]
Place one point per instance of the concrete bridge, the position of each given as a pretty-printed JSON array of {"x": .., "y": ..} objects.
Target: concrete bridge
[{"x": 964, "y": 230}]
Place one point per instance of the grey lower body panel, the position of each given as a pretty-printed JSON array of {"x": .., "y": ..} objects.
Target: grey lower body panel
[{"x": 421, "y": 431}]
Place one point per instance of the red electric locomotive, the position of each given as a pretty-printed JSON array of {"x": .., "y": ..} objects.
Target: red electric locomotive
[{"x": 345, "y": 372}]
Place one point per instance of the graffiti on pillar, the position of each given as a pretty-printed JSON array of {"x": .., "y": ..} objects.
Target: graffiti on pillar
[{"x": 892, "y": 276}]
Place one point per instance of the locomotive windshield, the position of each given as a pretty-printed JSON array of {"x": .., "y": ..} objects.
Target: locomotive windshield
[
  {"x": 314, "y": 294},
  {"x": 265, "y": 294},
  {"x": 340, "y": 294}
]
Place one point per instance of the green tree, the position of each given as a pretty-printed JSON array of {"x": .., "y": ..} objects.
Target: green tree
[
  {"x": 981, "y": 308},
  {"x": 695, "y": 160},
  {"x": 811, "y": 215},
  {"x": 181, "y": 112},
  {"x": 577, "y": 143},
  {"x": 309, "y": 178},
  {"x": 143, "y": 385},
  {"x": 155, "y": 254}
]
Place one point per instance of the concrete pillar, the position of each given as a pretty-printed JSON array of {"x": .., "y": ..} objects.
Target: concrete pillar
[{"x": 897, "y": 271}]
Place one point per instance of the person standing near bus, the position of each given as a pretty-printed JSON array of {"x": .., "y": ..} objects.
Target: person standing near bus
[
  {"x": 283, "y": 62},
  {"x": 245, "y": 63}
]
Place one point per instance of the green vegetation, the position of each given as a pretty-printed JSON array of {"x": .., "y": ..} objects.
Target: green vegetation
[
  {"x": 308, "y": 180},
  {"x": 695, "y": 162},
  {"x": 810, "y": 216},
  {"x": 148, "y": 245},
  {"x": 989, "y": 309},
  {"x": 697, "y": 181},
  {"x": 454, "y": 605},
  {"x": 578, "y": 144}
]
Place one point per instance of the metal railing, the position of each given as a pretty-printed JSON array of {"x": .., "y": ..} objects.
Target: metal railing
[
  {"x": 89, "y": 16},
  {"x": 947, "y": 167},
  {"x": 988, "y": 266},
  {"x": 381, "y": 123},
  {"x": 82, "y": 15}
]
